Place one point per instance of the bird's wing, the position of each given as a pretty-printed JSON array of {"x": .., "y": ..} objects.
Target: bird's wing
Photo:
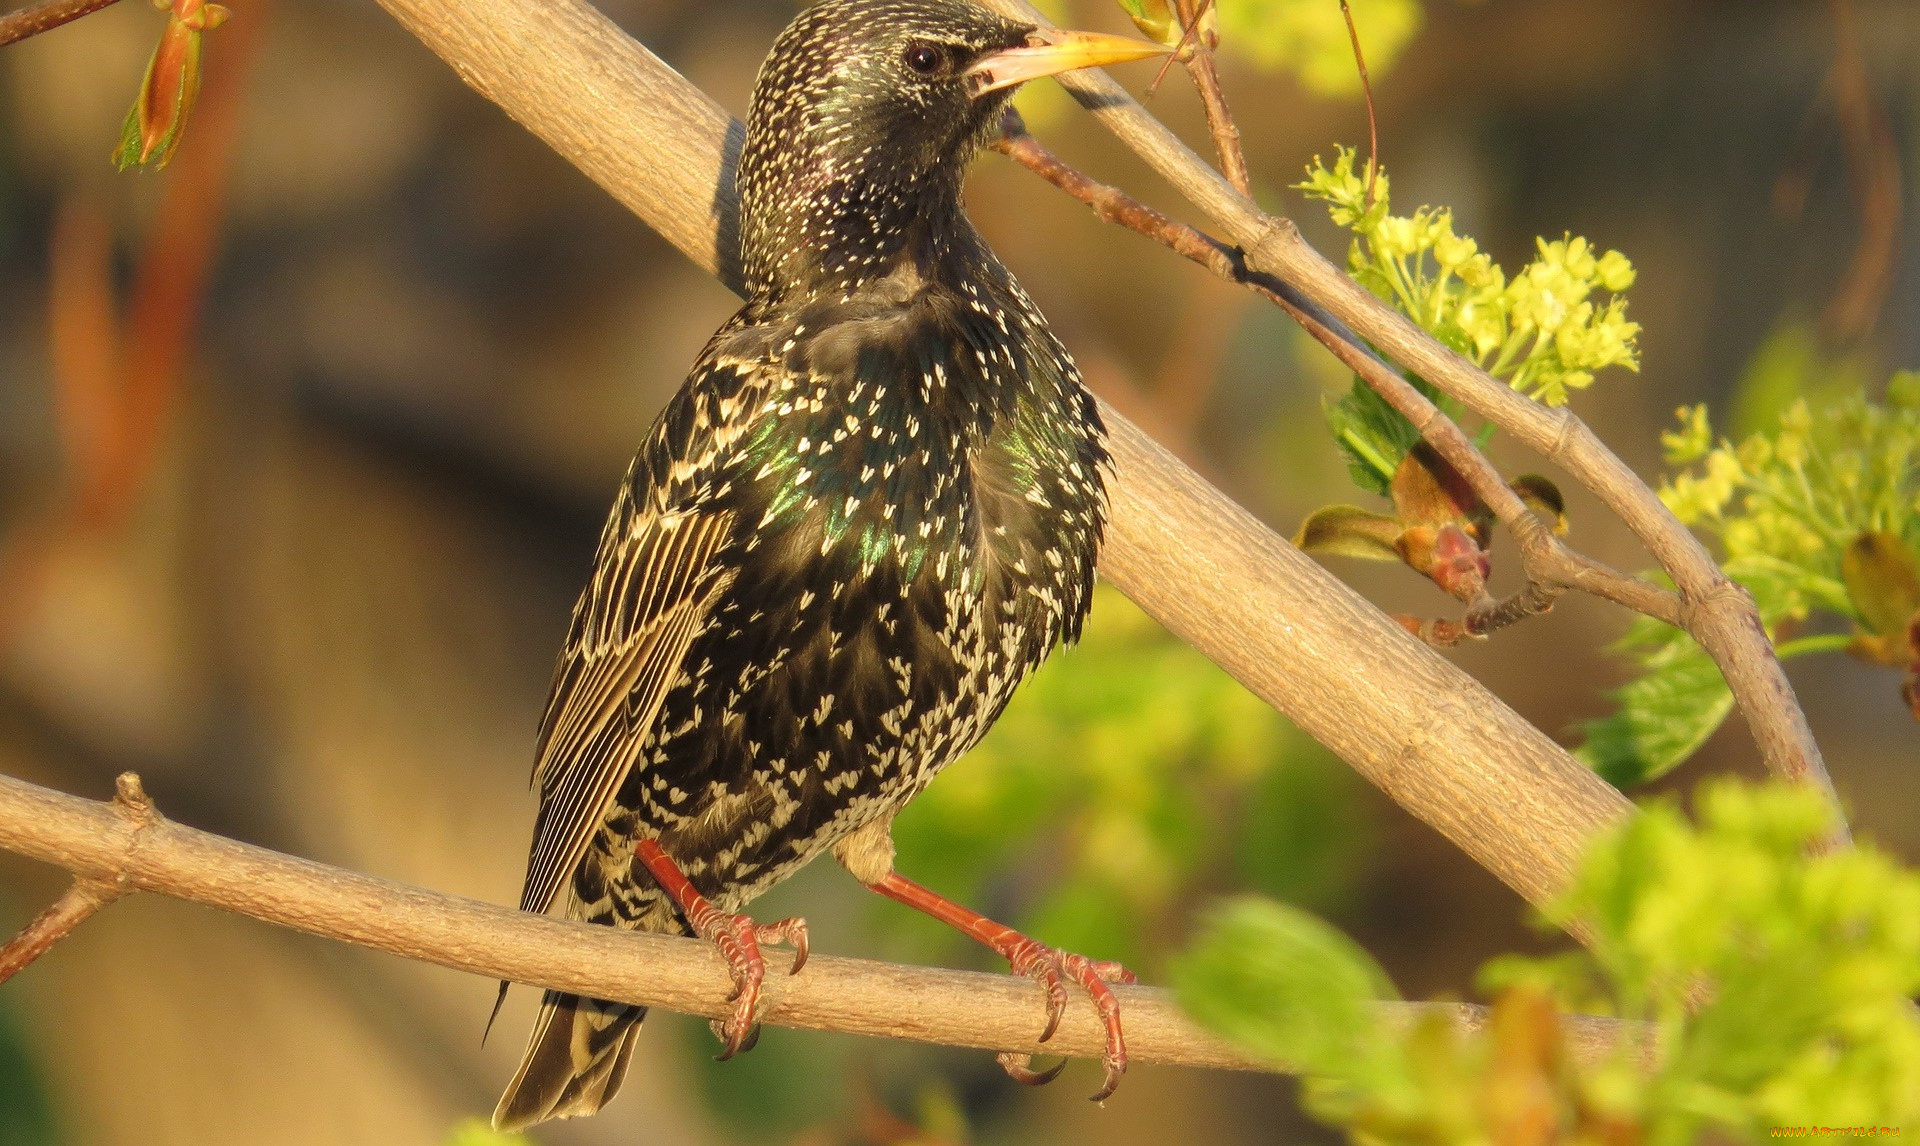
[{"x": 653, "y": 587}]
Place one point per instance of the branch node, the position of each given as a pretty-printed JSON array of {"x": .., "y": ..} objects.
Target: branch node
[
  {"x": 1722, "y": 596},
  {"x": 1568, "y": 428},
  {"x": 130, "y": 797},
  {"x": 1265, "y": 252}
]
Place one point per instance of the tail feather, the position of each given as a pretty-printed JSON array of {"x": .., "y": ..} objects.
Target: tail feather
[{"x": 575, "y": 1061}]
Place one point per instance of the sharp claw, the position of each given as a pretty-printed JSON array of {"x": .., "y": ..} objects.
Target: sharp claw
[
  {"x": 799, "y": 951},
  {"x": 1056, "y": 1008},
  {"x": 719, "y": 1029},
  {"x": 786, "y": 933},
  {"x": 1114, "y": 1071},
  {"x": 737, "y": 1034},
  {"x": 1019, "y": 1068}
]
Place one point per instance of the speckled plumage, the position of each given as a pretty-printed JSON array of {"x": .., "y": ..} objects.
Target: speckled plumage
[{"x": 873, "y": 508}]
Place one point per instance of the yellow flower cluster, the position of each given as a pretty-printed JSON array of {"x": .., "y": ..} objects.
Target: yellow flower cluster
[
  {"x": 1786, "y": 503},
  {"x": 1542, "y": 330}
]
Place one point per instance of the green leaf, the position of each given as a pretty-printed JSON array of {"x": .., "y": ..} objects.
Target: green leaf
[
  {"x": 1661, "y": 717},
  {"x": 1372, "y": 435},
  {"x": 1287, "y": 986}
]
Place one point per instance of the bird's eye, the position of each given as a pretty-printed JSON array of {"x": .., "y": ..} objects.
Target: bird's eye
[{"x": 925, "y": 59}]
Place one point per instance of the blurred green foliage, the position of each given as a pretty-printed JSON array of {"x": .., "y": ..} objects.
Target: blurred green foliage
[
  {"x": 1309, "y": 38},
  {"x": 26, "y": 1116},
  {"x": 1817, "y": 514},
  {"x": 476, "y": 1132},
  {"x": 1287, "y": 984},
  {"x": 775, "y": 1092},
  {"x": 1306, "y": 37},
  {"x": 1800, "y": 972}
]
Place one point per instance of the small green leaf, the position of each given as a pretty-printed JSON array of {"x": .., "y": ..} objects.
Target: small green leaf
[
  {"x": 1372, "y": 435},
  {"x": 1661, "y": 717},
  {"x": 1286, "y": 985},
  {"x": 1349, "y": 531}
]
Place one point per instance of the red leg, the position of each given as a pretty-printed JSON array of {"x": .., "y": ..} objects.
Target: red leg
[
  {"x": 738, "y": 938},
  {"x": 1031, "y": 957}
]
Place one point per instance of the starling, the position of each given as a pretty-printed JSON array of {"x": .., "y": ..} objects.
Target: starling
[{"x": 872, "y": 509}]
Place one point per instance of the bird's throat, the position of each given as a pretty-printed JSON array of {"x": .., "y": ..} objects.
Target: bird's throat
[{"x": 853, "y": 233}]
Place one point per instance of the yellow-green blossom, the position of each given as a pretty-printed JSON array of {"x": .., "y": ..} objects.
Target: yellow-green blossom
[
  {"x": 1543, "y": 331},
  {"x": 1692, "y": 440},
  {"x": 1786, "y": 503}
]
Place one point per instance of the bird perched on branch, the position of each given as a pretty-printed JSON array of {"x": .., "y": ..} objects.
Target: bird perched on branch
[{"x": 873, "y": 508}]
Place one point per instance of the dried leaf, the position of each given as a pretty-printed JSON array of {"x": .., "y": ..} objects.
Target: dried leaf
[
  {"x": 1884, "y": 585},
  {"x": 1543, "y": 497},
  {"x": 1428, "y": 491}
]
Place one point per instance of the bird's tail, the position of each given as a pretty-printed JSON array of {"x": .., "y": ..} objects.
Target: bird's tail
[{"x": 574, "y": 1063}]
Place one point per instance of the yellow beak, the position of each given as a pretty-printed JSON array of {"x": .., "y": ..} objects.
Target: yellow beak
[{"x": 1050, "y": 51}]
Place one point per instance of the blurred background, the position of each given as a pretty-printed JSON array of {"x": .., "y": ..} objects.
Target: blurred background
[{"x": 305, "y": 443}]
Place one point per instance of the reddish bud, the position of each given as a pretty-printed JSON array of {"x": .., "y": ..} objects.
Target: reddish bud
[
  {"x": 1460, "y": 566},
  {"x": 159, "y": 116}
]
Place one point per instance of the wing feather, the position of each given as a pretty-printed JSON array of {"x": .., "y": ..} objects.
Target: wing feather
[{"x": 654, "y": 585}]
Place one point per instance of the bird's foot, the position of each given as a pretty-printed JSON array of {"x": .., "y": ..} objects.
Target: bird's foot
[
  {"x": 736, "y": 937},
  {"x": 1054, "y": 969}
]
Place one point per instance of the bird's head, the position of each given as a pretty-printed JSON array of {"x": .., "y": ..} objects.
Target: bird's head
[{"x": 863, "y": 118}]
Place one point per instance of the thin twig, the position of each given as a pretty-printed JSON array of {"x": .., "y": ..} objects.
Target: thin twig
[
  {"x": 87, "y": 894},
  {"x": 81, "y": 899},
  {"x": 1485, "y": 615},
  {"x": 1366, "y": 91},
  {"x": 923, "y": 1004},
  {"x": 1549, "y": 564},
  {"x": 1206, "y": 81},
  {"x": 26, "y": 22}
]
